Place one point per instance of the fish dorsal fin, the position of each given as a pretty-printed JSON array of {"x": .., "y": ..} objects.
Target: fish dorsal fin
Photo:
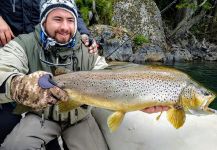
[
  {"x": 114, "y": 120},
  {"x": 176, "y": 117}
]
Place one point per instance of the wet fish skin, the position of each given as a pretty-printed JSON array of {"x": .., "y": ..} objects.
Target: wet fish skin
[{"x": 135, "y": 88}]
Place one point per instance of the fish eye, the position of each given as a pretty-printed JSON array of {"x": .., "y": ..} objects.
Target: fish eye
[{"x": 206, "y": 93}]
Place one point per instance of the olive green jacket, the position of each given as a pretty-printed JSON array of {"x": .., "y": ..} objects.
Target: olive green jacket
[{"x": 22, "y": 56}]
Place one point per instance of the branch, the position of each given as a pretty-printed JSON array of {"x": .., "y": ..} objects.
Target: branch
[
  {"x": 168, "y": 6},
  {"x": 186, "y": 24},
  {"x": 202, "y": 3}
]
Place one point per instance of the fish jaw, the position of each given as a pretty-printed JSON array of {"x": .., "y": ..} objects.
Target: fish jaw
[
  {"x": 201, "y": 101},
  {"x": 204, "y": 107},
  {"x": 207, "y": 102}
]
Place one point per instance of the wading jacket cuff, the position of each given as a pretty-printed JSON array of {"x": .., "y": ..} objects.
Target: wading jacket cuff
[
  {"x": 36, "y": 90},
  {"x": 8, "y": 85}
]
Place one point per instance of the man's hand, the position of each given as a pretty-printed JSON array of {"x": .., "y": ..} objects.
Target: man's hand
[
  {"x": 91, "y": 44},
  {"x": 35, "y": 91},
  {"x": 6, "y": 33},
  {"x": 155, "y": 109}
]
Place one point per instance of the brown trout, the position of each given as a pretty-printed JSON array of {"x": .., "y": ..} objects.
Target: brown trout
[{"x": 134, "y": 88}]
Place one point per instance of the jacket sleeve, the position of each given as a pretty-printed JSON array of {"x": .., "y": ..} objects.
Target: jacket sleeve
[
  {"x": 13, "y": 61},
  {"x": 82, "y": 28}
]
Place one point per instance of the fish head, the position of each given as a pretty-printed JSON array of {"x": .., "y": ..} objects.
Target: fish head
[{"x": 195, "y": 99}]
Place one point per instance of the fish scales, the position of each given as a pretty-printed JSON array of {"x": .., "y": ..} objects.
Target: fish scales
[
  {"x": 128, "y": 86},
  {"x": 130, "y": 89}
]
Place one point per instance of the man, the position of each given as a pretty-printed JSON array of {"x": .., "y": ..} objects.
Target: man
[
  {"x": 54, "y": 43},
  {"x": 54, "y": 47},
  {"x": 18, "y": 17}
]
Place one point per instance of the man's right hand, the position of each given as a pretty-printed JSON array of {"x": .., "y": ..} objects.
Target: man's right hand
[
  {"x": 26, "y": 89},
  {"x": 6, "y": 33}
]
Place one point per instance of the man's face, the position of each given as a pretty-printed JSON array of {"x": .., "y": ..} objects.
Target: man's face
[{"x": 60, "y": 25}]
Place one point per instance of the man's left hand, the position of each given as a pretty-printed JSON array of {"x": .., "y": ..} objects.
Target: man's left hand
[{"x": 92, "y": 47}]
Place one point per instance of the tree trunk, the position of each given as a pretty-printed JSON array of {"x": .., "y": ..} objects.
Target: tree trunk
[
  {"x": 186, "y": 24},
  {"x": 213, "y": 23},
  {"x": 189, "y": 19}
]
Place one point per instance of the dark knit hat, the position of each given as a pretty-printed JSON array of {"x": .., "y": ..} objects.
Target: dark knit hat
[{"x": 48, "y": 5}]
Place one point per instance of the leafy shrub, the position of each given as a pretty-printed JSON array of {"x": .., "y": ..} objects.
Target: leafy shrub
[
  {"x": 140, "y": 39},
  {"x": 104, "y": 9}
]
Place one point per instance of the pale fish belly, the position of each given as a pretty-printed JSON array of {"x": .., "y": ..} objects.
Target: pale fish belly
[{"x": 129, "y": 86}]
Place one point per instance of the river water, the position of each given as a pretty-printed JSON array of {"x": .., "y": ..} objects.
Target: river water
[{"x": 203, "y": 72}]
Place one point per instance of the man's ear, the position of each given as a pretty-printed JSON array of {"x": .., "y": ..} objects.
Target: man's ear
[{"x": 44, "y": 23}]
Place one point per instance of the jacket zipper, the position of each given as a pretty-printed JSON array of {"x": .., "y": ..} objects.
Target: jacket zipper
[{"x": 13, "y": 6}]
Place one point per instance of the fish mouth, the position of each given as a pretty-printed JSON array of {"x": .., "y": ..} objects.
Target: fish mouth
[
  {"x": 211, "y": 99},
  {"x": 206, "y": 103},
  {"x": 203, "y": 109}
]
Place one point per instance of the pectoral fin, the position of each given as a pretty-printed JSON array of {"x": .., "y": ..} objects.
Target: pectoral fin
[
  {"x": 68, "y": 105},
  {"x": 176, "y": 117},
  {"x": 114, "y": 120}
]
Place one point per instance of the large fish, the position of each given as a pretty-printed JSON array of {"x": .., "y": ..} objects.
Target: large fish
[{"x": 135, "y": 88}]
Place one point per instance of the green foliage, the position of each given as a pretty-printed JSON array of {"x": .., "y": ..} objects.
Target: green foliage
[
  {"x": 104, "y": 9},
  {"x": 84, "y": 7},
  {"x": 207, "y": 6},
  {"x": 140, "y": 39},
  {"x": 186, "y": 4},
  {"x": 85, "y": 12},
  {"x": 84, "y": 3}
]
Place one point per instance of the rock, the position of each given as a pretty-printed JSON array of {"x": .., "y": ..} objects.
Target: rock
[
  {"x": 148, "y": 53},
  {"x": 211, "y": 56},
  {"x": 142, "y": 17},
  {"x": 115, "y": 42},
  {"x": 182, "y": 55}
]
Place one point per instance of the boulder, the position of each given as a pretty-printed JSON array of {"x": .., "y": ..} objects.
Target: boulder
[{"x": 141, "y": 17}]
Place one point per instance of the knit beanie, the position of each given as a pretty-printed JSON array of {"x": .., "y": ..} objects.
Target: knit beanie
[{"x": 48, "y": 5}]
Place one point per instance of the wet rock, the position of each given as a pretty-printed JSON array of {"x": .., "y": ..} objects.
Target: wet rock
[{"x": 148, "y": 53}]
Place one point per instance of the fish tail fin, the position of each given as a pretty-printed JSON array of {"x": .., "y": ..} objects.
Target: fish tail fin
[
  {"x": 176, "y": 117},
  {"x": 114, "y": 120}
]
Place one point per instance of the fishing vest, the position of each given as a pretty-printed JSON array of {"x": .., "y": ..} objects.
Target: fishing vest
[{"x": 78, "y": 55}]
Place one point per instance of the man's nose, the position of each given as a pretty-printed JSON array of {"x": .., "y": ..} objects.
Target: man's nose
[{"x": 65, "y": 25}]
